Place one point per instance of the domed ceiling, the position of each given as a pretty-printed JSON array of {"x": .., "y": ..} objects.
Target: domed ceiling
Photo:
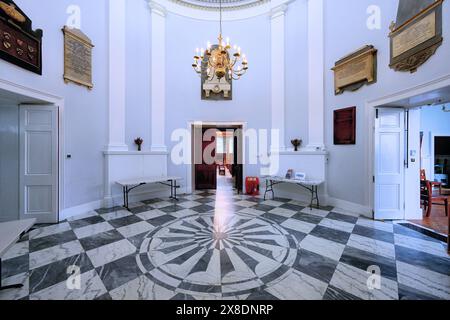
[{"x": 215, "y": 4}]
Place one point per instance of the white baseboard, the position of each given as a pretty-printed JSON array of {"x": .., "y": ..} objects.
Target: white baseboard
[
  {"x": 117, "y": 200},
  {"x": 350, "y": 206},
  {"x": 162, "y": 192},
  {"x": 80, "y": 209}
]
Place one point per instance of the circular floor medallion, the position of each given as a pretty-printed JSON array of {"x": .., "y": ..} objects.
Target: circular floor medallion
[{"x": 223, "y": 254}]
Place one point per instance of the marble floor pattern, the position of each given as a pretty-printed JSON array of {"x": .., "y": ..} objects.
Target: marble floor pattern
[{"x": 220, "y": 245}]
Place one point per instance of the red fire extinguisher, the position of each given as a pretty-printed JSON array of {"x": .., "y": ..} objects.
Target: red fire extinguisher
[{"x": 252, "y": 186}]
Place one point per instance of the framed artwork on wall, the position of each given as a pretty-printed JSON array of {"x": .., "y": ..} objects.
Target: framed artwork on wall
[{"x": 345, "y": 126}]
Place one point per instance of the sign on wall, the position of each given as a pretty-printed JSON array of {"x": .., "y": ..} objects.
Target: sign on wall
[
  {"x": 77, "y": 57},
  {"x": 355, "y": 70},
  {"x": 416, "y": 35},
  {"x": 19, "y": 43},
  {"x": 345, "y": 126}
]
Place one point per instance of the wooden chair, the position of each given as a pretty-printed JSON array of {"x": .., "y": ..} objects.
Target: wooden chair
[
  {"x": 428, "y": 199},
  {"x": 423, "y": 177}
]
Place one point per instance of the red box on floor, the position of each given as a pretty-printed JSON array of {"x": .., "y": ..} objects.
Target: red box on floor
[{"x": 252, "y": 186}]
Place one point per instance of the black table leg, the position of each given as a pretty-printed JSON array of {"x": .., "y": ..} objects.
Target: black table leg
[
  {"x": 175, "y": 189},
  {"x": 13, "y": 286},
  {"x": 126, "y": 193}
]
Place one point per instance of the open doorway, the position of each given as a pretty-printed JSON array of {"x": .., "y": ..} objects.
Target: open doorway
[
  {"x": 29, "y": 160},
  {"x": 217, "y": 154},
  {"x": 410, "y": 162},
  {"x": 434, "y": 163}
]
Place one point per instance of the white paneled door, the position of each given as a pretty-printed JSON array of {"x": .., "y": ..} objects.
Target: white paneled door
[
  {"x": 389, "y": 164},
  {"x": 39, "y": 163}
]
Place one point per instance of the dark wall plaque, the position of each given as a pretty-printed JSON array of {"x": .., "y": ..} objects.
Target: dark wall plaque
[
  {"x": 19, "y": 43},
  {"x": 345, "y": 126},
  {"x": 416, "y": 35}
]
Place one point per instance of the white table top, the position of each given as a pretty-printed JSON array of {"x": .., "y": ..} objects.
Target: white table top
[
  {"x": 11, "y": 231},
  {"x": 304, "y": 182},
  {"x": 137, "y": 181}
]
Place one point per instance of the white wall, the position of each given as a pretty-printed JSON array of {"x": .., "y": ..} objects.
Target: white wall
[
  {"x": 251, "y": 94},
  {"x": 346, "y": 31},
  {"x": 85, "y": 113},
  {"x": 9, "y": 162},
  {"x": 138, "y": 73}
]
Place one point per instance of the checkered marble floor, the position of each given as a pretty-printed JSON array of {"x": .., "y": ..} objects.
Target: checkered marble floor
[{"x": 226, "y": 246}]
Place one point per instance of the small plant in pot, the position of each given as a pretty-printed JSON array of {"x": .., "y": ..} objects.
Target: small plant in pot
[
  {"x": 296, "y": 143},
  {"x": 139, "y": 142}
]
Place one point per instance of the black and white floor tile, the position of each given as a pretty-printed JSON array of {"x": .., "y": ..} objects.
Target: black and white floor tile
[{"x": 219, "y": 245}]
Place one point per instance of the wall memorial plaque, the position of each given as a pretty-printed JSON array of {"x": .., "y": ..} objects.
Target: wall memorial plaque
[
  {"x": 416, "y": 35},
  {"x": 355, "y": 70},
  {"x": 77, "y": 57},
  {"x": 19, "y": 43}
]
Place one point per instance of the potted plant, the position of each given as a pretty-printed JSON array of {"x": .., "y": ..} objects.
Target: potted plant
[
  {"x": 139, "y": 143},
  {"x": 296, "y": 143}
]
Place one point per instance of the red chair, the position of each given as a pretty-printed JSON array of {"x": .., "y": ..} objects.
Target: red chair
[
  {"x": 428, "y": 199},
  {"x": 423, "y": 177}
]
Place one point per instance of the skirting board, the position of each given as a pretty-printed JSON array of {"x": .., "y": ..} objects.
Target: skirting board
[
  {"x": 117, "y": 201},
  {"x": 350, "y": 206},
  {"x": 324, "y": 200},
  {"x": 139, "y": 196}
]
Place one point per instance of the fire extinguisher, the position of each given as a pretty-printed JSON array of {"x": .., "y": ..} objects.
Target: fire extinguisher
[{"x": 252, "y": 186}]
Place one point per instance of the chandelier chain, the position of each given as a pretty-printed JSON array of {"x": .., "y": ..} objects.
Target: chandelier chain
[{"x": 220, "y": 4}]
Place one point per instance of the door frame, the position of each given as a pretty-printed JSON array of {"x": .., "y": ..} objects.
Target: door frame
[
  {"x": 369, "y": 115},
  {"x": 402, "y": 171},
  {"x": 433, "y": 150},
  {"x": 58, "y": 102},
  {"x": 190, "y": 179}
]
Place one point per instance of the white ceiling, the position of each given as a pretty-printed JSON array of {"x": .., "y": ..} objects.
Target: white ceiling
[
  {"x": 437, "y": 97},
  {"x": 9, "y": 99}
]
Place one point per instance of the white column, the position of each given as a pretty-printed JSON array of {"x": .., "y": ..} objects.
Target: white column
[
  {"x": 316, "y": 69},
  {"x": 277, "y": 27},
  {"x": 117, "y": 86},
  {"x": 158, "y": 73}
]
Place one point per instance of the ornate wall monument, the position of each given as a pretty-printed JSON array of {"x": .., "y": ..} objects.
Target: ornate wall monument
[
  {"x": 355, "y": 70},
  {"x": 77, "y": 57},
  {"x": 416, "y": 35},
  {"x": 19, "y": 43}
]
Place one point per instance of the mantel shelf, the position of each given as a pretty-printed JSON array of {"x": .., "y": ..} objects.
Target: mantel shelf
[{"x": 303, "y": 153}]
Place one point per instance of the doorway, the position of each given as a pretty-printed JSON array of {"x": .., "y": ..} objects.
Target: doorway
[
  {"x": 29, "y": 161},
  {"x": 410, "y": 178},
  {"x": 217, "y": 156},
  {"x": 434, "y": 165}
]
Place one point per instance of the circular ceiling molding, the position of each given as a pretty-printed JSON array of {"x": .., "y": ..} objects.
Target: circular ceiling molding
[
  {"x": 214, "y": 5},
  {"x": 233, "y": 10}
]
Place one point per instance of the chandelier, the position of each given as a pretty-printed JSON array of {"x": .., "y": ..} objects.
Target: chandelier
[{"x": 219, "y": 60}]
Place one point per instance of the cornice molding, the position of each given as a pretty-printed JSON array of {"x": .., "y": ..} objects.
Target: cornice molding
[
  {"x": 225, "y": 6},
  {"x": 278, "y": 11},
  {"x": 157, "y": 8},
  {"x": 209, "y": 12}
]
